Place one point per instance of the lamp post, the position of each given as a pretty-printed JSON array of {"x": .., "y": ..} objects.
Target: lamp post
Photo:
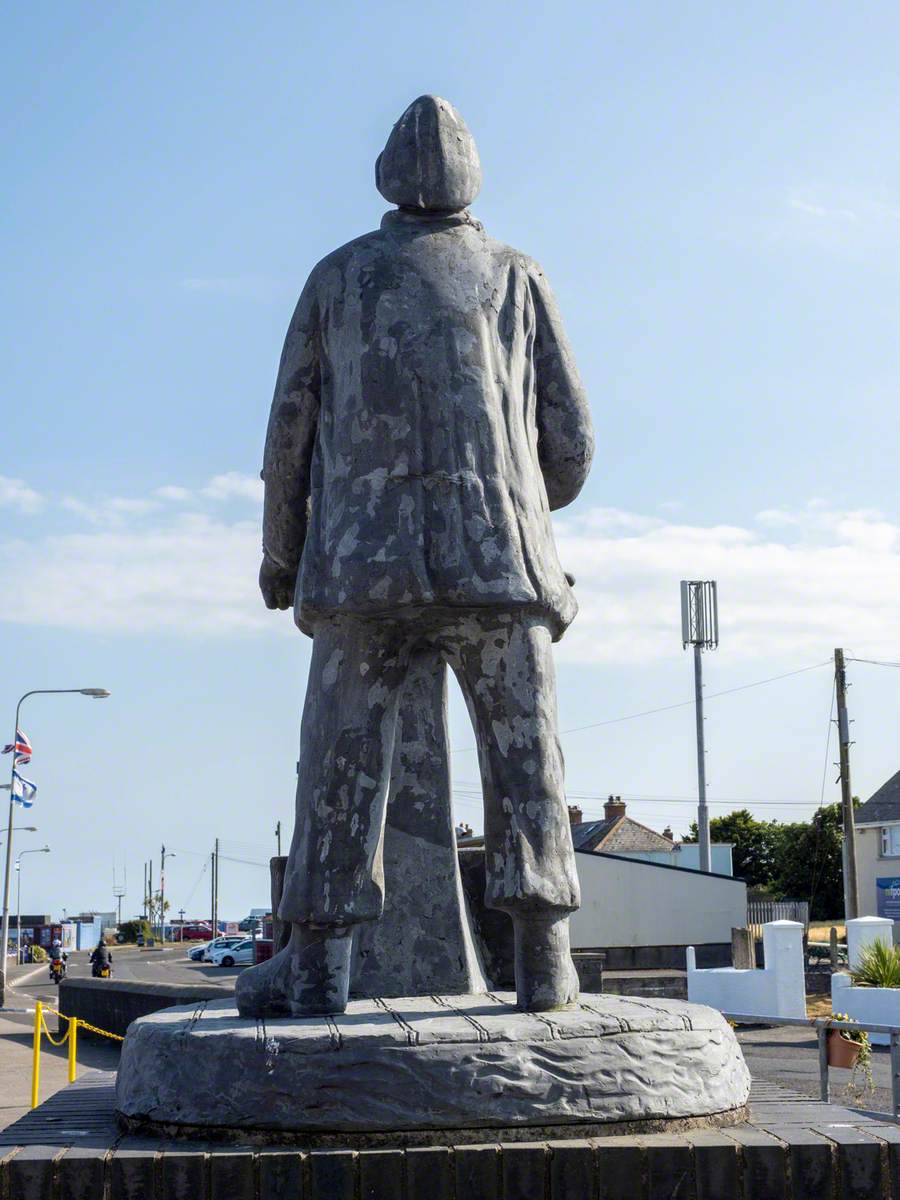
[
  {"x": 22, "y": 828},
  {"x": 94, "y": 693},
  {"x": 40, "y": 850},
  {"x": 700, "y": 629}
]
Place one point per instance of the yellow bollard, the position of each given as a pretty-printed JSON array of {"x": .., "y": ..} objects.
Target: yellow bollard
[
  {"x": 36, "y": 1054},
  {"x": 73, "y": 1035}
]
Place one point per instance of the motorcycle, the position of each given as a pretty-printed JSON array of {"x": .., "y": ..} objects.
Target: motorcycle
[
  {"x": 57, "y": 970},
  {"x": 101, "y": 970}
]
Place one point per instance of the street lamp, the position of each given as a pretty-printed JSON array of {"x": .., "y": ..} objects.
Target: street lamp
[
  {"x": 41, "y": 850},
  {"x": 23, "y": 828},
  {"x": 95, "y": 694}
]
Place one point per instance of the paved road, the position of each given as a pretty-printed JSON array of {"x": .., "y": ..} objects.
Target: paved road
[
  {"x": 790, "y": 1056},
  {"x": 32, "y": 982}
]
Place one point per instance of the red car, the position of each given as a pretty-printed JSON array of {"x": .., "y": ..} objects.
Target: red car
[{"x": 195, "y": 931}]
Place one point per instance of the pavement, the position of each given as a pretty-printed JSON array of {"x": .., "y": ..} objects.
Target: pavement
[
  {"x": 31, "y": 981},
  {"x": 789, "y": 1056}
]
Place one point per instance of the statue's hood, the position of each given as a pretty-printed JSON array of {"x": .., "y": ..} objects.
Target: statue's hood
[{"x": 430, "y": 162}]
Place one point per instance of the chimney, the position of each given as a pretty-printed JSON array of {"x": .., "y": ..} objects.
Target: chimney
[
  {"x": 614, "y": 807},
  {"x": 576, "y": 816},
  {"x": 667, "y": 833}
]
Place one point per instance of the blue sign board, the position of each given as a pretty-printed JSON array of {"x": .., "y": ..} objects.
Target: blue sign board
[{"x": 888, "y": 892}]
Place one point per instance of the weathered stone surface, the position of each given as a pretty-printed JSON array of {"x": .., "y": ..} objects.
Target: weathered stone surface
[
  {"x": 424, "y": 942},
  {"x": 425, "y": 1063},
  {"x": 430, "y": 161},
  {"x": 427, "y": 418}
]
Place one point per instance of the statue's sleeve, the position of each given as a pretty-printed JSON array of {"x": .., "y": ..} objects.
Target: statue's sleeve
[
  {"x": 565, "y": 433},
  {"x": 291, "y": 435}
]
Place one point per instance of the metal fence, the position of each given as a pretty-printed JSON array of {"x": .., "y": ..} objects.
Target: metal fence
[
  {"x": 761, "y": 911},
  {"x": 822, "y": 1025}
]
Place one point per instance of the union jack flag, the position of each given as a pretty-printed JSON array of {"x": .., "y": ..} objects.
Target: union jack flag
[{"x": 21, "y": 749}]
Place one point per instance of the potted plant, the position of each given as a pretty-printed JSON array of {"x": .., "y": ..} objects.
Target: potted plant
[{"x": 851, "y": 1049}]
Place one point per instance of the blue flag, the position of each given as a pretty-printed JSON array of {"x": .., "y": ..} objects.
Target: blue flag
[{"x": 24, "y": 791}]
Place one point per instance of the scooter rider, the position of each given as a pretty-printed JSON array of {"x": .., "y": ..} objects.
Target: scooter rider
[
  {"x": 58, "y": 958},
  {"x": 101, "y": 959}
]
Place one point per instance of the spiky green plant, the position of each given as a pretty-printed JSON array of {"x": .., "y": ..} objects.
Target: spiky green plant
[{"x": 878, "y": 966}]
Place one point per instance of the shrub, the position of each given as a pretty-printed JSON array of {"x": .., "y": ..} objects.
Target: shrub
[
  {"x": 129, "y": 930},
  {"x": 38, "y": 954},
  {"x": 878, "y": 966}
]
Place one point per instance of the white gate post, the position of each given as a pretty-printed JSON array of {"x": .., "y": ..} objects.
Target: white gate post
[
  {"x": 863, "y": 931},
  {"x": 783, "y": 946}
]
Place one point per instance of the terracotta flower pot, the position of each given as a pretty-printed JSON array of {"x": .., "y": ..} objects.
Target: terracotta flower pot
[{"x": 841, "y": 1053}]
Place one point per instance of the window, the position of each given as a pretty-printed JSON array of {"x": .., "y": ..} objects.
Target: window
[{"x": 890, "y": 841}]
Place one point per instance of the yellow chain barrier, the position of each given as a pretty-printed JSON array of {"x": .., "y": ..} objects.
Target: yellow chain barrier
[{"x": 70, "y": 1036}]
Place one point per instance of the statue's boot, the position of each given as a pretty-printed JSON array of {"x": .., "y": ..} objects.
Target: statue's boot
[
  {"x": 310, "y": 976},
  {"x": 545, "y": 974}
]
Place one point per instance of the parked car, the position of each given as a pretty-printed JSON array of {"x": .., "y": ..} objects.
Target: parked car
[
  {"x": 256, "y": 918},
  {"x": 195, "y": 952},
  {"x": 196, "y": 931},
  {"x": 219, "y": 943},
  {"x": 229, "y": 956}
]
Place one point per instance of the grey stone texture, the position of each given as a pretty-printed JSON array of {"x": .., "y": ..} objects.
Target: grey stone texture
[
  {"x": 505, "y": 667},
  {"x": 424, "y": 941},
  {"x": 427, "y": 418},
  {"x": 432, "y": 1063},
  {"x": 430, "y": 162}
]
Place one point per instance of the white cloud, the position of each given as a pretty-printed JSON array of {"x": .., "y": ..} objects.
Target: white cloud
[
  {"x": 173, "y": 492},
  {"x": 797, "y": 200},
  {"x": 17, "y": 494},
  {"x": 234, "y": 484},
  {"x": 845, "y": 220},
  {"x": 112, "y": 510},
  {"x": 188, "y": 575},
  {"x": 793, "y": 583}
]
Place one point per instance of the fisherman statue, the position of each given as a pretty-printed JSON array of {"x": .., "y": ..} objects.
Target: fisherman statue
[{"x": 427, "y": 418}]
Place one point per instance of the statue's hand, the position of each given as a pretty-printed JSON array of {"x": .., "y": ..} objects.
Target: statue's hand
[{"x": 276, "y": 584}]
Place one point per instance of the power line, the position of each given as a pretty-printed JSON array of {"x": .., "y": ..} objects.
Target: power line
[
  {"x": 873, "y": 662},
  {"x": 190, "y": 894},
  {"x": 572, "y": 795},
  {"x": 650, "y": 712},
  {"x": 818, "y": 865}
]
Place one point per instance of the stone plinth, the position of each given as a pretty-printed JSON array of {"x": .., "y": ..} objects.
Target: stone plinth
[{"x": 433, "y": 1063}]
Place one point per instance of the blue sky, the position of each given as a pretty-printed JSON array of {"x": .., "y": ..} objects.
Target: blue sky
[{"x": 714, "y": 192}]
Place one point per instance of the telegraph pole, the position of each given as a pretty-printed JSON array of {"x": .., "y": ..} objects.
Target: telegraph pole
[
  {"x": 278, "y": 838},
  {"x": 144, "y": 904},
  {"x": 162, "y": 894},
  {"x": 212, "y": 889},
  {"x": 851, "y": 885},
  {"x": 216, "y": 890}
]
